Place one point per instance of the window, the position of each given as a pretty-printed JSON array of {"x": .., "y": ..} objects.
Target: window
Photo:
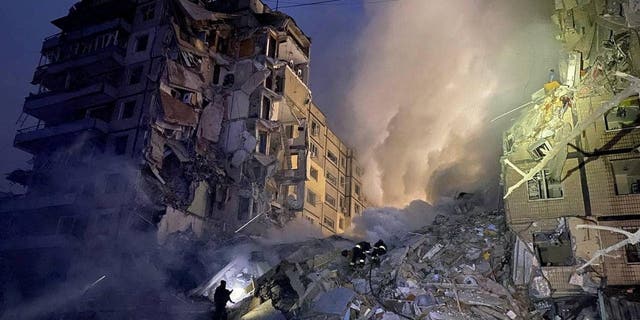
[
  {"x": 315, "y": 129},
  {"x": 342, "y": 182},
  {"x": 541, "y": 187},
  {"x": 359, "y": 171},
  {"x": 120, "y": 145},
  {"x": 289, "y": 131},
  {"x": 626, "y": 174},
  {"x": 332, "y": 179},
  {"x": 103, "y": 113},
  {"x": 216, "y": 74},
  {"x": 141, "y": 43},
  {"x": 262, "y": 142},
  {"x": 343, "y": 205},
  {"x": 148, "y": 12},
  {"x": 626, "y": 115},
  {"x": 135, "y": 75},
  {"x": 341, "y": 223},
  {"x": 632, "y": 251},
  {"x": 332, "y": 157},
  {"x": 356, "y": 188},
  {"x": 329, "y": 222},
  {"x": 343, "y": 162},
  {"x": 311, "y": 198},
  {"x": 553, "y": 249},
  {"x": 330, "y": 200},
  {"x": 265, "y": 113},
  {"x": 313, "y": 150},
  {"x": 128, "y": 109},
  {"x": 294, "y": 161},
  {"x": 272, "y": 45},
  {"x": 539, "y": 149},
  {"x": 313, "y": 172},
  {"x": 356, "y": 208}
]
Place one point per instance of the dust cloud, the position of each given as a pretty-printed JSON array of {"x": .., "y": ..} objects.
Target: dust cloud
[{"x": 430, "y": 76}]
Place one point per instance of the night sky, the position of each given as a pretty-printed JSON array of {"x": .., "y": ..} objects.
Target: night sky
[{"x": 333, "y": 28}]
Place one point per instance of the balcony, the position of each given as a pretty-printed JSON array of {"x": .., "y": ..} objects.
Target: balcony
[
  {"x": 96, "y": 62},
  {"x": 50, "y": 105},
  {"x": 60, "y": 38},
  {"x": 34, "y": 138},
  {"x": 90, "y": 12}
]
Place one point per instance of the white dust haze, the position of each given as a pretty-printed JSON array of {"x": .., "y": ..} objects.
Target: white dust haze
[{"x": 430, "y": 76}]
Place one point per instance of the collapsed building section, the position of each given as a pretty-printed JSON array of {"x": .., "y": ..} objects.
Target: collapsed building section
[
  {"x": 569, "y": 165},
  {"x": 176, "y": 116}
]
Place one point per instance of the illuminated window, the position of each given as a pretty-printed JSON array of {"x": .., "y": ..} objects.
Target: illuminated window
[{"x": 626, "y": 174}]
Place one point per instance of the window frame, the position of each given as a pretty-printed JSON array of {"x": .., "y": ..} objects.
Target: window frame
[{"x": 545, "y": 174}]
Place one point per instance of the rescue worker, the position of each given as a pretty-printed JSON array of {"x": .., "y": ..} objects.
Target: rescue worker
[
  {"x": 220, "y": 299},
  {"x": 360, "y": 252},
  {"x": 379, "y": 249}
]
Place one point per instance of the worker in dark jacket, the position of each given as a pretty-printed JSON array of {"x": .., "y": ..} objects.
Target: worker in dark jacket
[
  {"x": 220, "y": 299},
  {"x": 379, "y": 249},
  {"x": 360, "y": 252}
]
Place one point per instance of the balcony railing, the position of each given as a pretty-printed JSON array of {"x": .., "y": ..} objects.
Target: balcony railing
[
  {"x": 32, "y": 138},
  {"x": 54, "y": 103}
]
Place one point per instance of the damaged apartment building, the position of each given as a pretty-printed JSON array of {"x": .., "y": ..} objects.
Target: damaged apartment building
[
  {"x": 571, "y": 165},
  {"x": 187, "y": 116}
]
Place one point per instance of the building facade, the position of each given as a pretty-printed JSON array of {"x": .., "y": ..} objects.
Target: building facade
[
  {"x": 179, "y": 116},
  {"x": 575, "y": 148}
]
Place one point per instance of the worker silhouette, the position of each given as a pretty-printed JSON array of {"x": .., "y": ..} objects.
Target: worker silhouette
[{"x": 220, "y": 299}]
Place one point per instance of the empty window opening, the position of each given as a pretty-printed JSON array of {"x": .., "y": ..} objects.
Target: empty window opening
[
  {"x": 625, "y": 116},
  {"x": 627, "y": 176},
  {"x": 553, "y": 248},
  {"x": 332, "y": 179},
  {"x": 329, "y": 223},
  {"x": 632, "y": 251},
  {"x": 313, "y": 172},
  {"x": 128, "y": 109},
  {"x": 262, "y": 142},
  {"x": 265, "y": 113},
  {"x": 141, "y": 43},
  {"x": 541, "y": 187}
]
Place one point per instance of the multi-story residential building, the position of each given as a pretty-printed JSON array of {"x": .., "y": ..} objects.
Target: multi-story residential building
[
  {"x": 333, "y": 190},
  {"x": 173, "y": 117},
  {"x": 580, "y": 135}
]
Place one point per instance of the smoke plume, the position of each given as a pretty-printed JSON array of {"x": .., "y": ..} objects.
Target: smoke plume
[{"x": 430, "y": 76}]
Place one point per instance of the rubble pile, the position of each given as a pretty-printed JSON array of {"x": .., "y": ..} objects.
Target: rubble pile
[{"x": 456, "y": 268}]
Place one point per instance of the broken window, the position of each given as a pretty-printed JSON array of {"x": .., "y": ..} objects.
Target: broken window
[
  {"x": 539, "y": 149},
  {"x": 626, "y": 174},
  {"x": 625, "y": 116},
  {"x": 135, "y": 75},
  {"x": 141, "y": 43},
  {"x": 263, "y": 137},
  {"x": 332, "y": 179},
  {"x": 313, "y": 150},
  {"x": 329, "y": 222},
  {"x": 632, "y": 251},
  {"x": 330, "y": 200},
  {"x": 311, "y": 198},
  {"x": 332, "y": 157},
  {"x": 313, "y": 172},
  {"x": 128, "y": 109},
  {"x": 553, "y": 249},
  {"x": 541, "y": 187},
  {"x": 120, "y": 144},
  {"x": 265, "y": 113},
  {"x": 148, "y": 12}
]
